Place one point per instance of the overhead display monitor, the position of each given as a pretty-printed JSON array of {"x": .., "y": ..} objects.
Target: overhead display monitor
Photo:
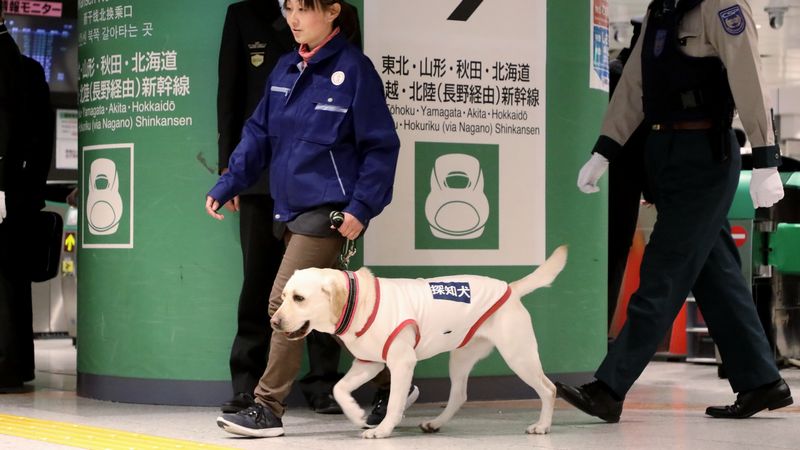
[{"x": 52, "y": 41}]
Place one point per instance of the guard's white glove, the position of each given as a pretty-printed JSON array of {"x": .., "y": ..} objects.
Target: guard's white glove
[
  {"x": 766, "y": 187},
  {"x": 2, "y": 206},
  {"x": 591, "y": 172}
]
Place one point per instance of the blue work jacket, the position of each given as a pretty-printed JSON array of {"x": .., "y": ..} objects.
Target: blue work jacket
[{"x": 326, "y": 134}]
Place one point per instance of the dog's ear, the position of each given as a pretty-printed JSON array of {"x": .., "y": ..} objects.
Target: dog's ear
[{"x": 334, "y": 288}]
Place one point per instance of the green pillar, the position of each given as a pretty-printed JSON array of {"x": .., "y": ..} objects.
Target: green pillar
[
  {"x": 573, "y": 334},
  {"x": 159, "y": 279}
]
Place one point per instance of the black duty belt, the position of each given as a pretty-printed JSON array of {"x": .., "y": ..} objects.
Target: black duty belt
[{"x": 683, "y": 125}]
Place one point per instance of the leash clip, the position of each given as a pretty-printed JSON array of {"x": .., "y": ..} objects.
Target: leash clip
[{"x": 349, "y": 247}]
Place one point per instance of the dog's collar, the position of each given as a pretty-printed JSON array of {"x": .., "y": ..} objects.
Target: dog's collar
[{"x": 350, "y": 307}]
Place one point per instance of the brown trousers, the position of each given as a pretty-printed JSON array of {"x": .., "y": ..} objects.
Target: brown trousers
[{"x": 285, "y": 356}]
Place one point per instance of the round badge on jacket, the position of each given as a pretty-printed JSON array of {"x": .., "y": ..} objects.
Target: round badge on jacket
[{"x": 337, "y": 78}]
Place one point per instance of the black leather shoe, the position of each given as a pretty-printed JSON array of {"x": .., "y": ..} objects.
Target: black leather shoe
[
  {"x": 592, "y": 399},
  {"x": 325, "y": 404},
  {"x": 238, "y": 402},
  {"x": 771, "y": 396}
]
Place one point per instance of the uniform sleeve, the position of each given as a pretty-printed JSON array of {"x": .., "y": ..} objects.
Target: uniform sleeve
[
  {"x": 737, "y": 46},
  {"x": 40, "y": 142},
  {"x": 230, "y": 89},
  {"x": 625, "y": 111},
  {"x": 251, "y": 156},
  {"x": 377, "y": 144},
  {"x": 9, "y": 62}
]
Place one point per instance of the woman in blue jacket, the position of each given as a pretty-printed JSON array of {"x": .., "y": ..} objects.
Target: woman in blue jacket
[{"x": 326, "y": 134}]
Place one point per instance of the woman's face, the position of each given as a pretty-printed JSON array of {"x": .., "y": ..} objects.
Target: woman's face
[{"x": 310, "y": 26}]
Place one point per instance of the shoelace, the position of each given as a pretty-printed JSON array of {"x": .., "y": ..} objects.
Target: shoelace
[
  {"x": 380, "y": 399},
  {"x": 256, "y": 412}
]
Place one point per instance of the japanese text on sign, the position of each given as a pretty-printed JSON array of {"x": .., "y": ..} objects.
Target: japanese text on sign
[{"x": 31, "y": 8}]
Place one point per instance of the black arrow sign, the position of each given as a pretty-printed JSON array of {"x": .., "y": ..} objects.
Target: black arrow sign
[{"x": 465, "y": 9}]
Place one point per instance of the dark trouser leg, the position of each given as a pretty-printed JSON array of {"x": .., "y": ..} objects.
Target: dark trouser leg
[
  {"x": 693, "y": 192},
  {"x": 625, "y": 183},
  {"x": 261, "y": 257},
  {"x": 16, "y": 311},
  {"x": 731, "y": 316},
  {"x": 285, "y": 356}
]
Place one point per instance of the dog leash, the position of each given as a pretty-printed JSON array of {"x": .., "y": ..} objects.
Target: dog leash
[{"x": 349, "y": 247}]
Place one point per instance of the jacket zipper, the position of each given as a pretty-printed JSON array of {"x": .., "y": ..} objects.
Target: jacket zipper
[
  {"x": 336, "y": 169},
  {"x": 291, "y": 91}
]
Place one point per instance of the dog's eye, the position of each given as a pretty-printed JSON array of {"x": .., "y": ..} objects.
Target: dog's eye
[{"x": 298, "y": 298}]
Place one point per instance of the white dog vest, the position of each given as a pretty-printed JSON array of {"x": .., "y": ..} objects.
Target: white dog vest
[{"x": 444, "y": 312}]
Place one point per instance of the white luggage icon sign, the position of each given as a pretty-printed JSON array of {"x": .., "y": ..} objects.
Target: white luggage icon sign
[
  {"x": 457, "y": 207},
  {"x": 103, "y": 204}
]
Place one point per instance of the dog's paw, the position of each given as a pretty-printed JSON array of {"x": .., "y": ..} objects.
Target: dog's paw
[
  {"x": 360, "y": 423},
  {"x": 356, "y": 415},
  {"x": 376, "y": 433},
  {"x": 429, "y": 427},
  {"x": 538, "y": 428}
]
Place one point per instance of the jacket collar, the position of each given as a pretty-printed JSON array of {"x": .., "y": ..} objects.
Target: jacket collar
[{"x": 333, "y": 47}]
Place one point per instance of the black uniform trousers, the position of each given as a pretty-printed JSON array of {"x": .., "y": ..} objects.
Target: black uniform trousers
[
  {"x": 626, "y": 182},
  {"x": 261, "y": 258},
  {"x": 16, "y": 311},
  {"x": 691, "y": 248}
]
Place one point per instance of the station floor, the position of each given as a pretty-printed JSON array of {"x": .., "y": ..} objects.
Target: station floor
[{"x": 663, "y": 411}]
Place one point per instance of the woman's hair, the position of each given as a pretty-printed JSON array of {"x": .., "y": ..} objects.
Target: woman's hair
[{"x": 347, "y": 20}]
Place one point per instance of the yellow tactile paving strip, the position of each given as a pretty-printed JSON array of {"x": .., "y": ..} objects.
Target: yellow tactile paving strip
[{"x": 82, "y": 436}]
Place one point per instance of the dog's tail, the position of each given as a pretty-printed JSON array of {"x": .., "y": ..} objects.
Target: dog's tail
[{"x": 544, "y": 274}]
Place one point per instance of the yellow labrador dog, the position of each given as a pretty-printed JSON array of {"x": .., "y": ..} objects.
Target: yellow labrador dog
[{"x": 396, "y": 322}]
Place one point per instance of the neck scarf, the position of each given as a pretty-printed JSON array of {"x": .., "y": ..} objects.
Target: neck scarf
[{"x": 307, "y": 54}]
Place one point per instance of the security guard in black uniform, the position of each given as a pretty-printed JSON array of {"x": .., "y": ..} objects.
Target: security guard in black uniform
[
  {"x": 254, "y": 36},
  {"x": 696, "y": 61}
]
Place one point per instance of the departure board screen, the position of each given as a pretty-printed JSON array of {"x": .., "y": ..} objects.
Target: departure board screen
[{"x": 53, "y": 42}]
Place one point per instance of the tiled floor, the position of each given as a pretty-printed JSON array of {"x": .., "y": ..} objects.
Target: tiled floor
[{"x": 664, "y": 410}]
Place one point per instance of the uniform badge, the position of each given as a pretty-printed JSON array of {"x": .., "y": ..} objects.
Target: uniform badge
[
  {"x": 337, "y": 78},
  {"x": 658, "y": 45},
  {"x": 733, "y": 20},
  {"x": 256, "y": 59}
]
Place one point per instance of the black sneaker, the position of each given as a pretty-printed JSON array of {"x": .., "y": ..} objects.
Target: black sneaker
[
  {"x": 255, "y": 421},
  {"x": 381, "y": 401},
  {"x": 238, "y": 402}
]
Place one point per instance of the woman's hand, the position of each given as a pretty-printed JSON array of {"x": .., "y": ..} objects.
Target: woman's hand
[
  {"x": 211, "y": 208},
  {"x": 233, "y": 204},
  {"x": 351, "y": 228}
]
